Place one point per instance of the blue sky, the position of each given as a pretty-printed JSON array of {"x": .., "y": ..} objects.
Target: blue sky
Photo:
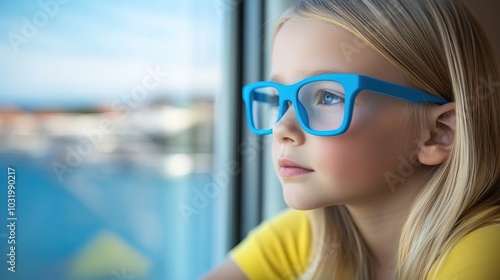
[{"x": 90, "y": 52}]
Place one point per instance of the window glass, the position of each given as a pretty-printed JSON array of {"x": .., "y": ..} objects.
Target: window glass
[{"x": 106, "y": 137}]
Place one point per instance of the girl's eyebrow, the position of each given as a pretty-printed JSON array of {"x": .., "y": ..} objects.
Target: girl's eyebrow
[
  {"x": 275, "y": 78},
  {"x": 304, "y": 74},
  {"x": 321, "y": 71}
]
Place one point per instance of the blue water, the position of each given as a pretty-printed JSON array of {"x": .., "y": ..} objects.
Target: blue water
[{"x": 121, "y": 220}]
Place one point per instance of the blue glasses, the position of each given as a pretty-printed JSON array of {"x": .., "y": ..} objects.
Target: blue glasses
[{"x": 323, "y": 103}]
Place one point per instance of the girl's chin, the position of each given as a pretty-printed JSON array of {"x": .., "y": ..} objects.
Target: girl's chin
[
  {"x": 302, "y": 198},
  {"x": 302, "y": 202}
]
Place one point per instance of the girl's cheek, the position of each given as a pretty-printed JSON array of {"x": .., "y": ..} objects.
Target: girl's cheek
[{"x": 362, "y": 155}]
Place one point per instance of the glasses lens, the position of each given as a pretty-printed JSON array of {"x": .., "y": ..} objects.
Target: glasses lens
[
  {"x": 323, "y": 103},
  {"x": 265, "y": 107}
]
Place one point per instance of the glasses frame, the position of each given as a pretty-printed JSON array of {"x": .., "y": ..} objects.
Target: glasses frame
[{"x": 353, "y": 84}]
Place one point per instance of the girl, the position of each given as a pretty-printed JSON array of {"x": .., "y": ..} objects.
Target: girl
[{"x": 385, "y": 116}]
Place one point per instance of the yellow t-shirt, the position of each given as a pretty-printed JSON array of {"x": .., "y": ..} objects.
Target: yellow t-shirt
[{"x": 279, "y": 249}]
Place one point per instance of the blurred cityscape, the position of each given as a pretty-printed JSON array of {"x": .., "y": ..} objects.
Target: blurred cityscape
[{"x": 159, "y": 133}]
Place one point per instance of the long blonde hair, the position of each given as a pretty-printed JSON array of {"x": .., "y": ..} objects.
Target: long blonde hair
[{"x": 440, "y": 48}]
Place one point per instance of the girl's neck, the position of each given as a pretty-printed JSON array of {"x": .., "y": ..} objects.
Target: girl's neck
[
  {"x": 379, "y": 220},
  {"x": 381, "y": 234}
]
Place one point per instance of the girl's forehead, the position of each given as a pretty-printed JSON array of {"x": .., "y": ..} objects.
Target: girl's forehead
[{"x": 304, "y": 47}]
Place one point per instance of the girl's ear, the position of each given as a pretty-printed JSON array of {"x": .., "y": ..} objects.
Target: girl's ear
[{"x": 439, "y": 135}]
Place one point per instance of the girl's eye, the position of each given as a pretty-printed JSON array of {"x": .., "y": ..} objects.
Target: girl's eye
[{"x": 329, "y": 98}]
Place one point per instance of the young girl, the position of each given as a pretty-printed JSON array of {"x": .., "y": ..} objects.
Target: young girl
[{"x": 386, "y": 123}]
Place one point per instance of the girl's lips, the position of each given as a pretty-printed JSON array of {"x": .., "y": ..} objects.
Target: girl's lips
[
  {"x": 293, "y": 171},
  {"x": 289, "y": 168}
]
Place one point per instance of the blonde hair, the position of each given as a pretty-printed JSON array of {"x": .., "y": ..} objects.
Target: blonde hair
[{"x": 440, "y": 48}]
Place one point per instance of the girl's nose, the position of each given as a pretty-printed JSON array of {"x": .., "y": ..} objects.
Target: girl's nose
[{"x": 288, "y": 129}]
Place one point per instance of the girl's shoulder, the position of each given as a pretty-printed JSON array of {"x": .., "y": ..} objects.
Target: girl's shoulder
[{"x": 474, "y": 256}]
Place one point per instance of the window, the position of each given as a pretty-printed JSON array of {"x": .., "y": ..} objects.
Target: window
[{"x": 115, "y": 117}]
